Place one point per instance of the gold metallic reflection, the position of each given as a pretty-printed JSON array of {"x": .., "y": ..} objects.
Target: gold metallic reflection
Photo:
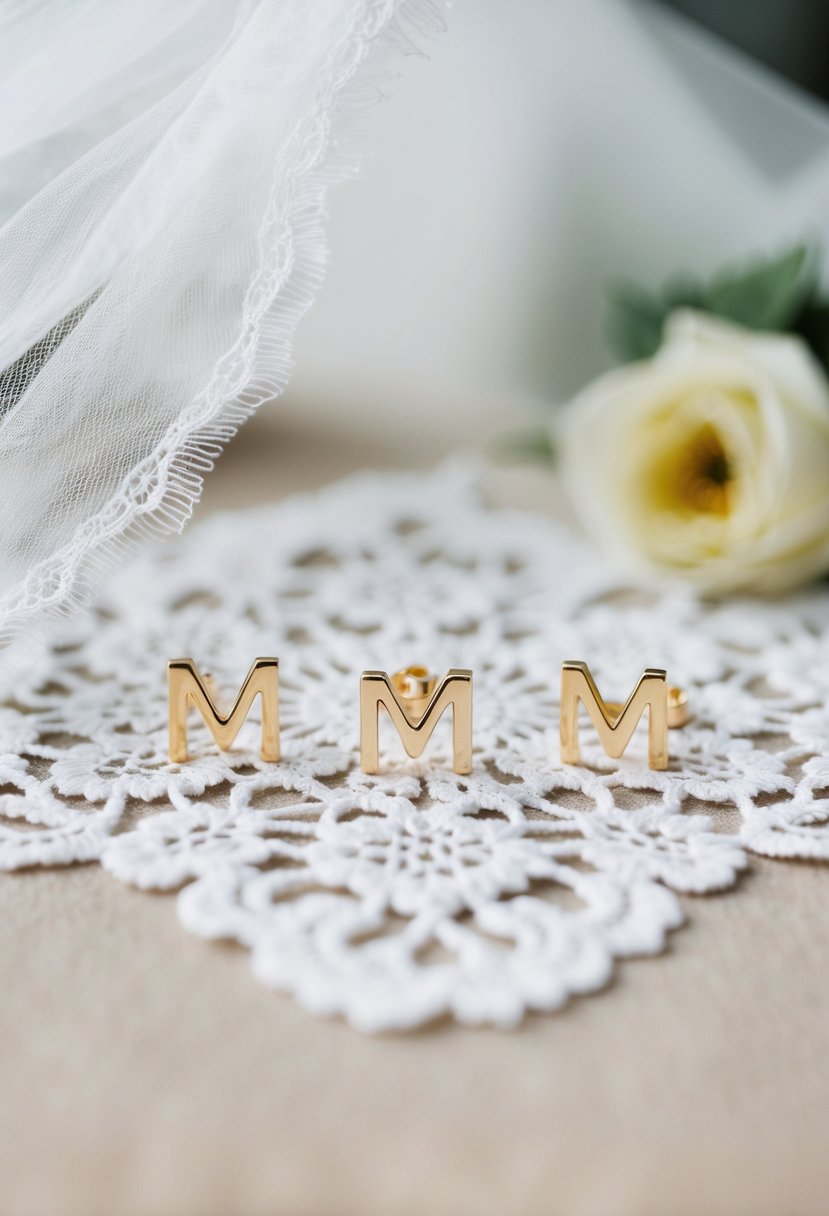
[
  {"x": 415, "y": 700},
  {"x": 614, "y": 722},
  {"x": 186, "y": 686}
]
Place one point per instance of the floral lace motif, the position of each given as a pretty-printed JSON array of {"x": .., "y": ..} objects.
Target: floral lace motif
[{"x": 395, "y": 899}]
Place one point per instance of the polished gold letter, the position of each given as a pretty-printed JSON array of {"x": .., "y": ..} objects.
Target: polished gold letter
[
  {"x": 185, "y": 684},
  {"x": 414, "y": 701},
  {"x": 614, "y": 723}
]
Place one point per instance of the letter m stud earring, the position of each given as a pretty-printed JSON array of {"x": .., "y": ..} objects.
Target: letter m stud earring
[
  {"x": 615, "y": 723},
  {"x": 414, "y": 701},
  {"x": 185, "y": 685}
]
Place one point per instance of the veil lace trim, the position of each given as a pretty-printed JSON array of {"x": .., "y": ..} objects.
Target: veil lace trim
[{"x": 48, "y": 564}]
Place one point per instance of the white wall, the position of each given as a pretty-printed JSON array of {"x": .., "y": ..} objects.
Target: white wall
[{"x": 544, "y": 148}]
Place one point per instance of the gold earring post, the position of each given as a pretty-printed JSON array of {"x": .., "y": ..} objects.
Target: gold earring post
[{"x": 678, "y": 713}]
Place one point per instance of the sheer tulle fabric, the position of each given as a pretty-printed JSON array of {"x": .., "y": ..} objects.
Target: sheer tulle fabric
[{"x": 162, "y": 175}]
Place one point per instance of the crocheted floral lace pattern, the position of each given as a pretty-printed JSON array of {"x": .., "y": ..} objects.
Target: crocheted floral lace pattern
[{"x": 396, "y": 899}]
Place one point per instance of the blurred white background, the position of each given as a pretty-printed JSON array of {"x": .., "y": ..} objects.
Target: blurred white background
[{"x": 545, "y": 149}]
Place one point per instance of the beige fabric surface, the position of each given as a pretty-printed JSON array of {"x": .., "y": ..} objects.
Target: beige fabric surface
[{"x": 144, "y": 1072}]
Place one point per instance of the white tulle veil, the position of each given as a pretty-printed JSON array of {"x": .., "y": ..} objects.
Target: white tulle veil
[{"x": 163, "y": 169}]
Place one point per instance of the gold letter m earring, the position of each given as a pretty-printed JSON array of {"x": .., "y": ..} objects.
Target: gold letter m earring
[
  {"x": 414, "y": 701},
  {"x": 615, "y": 723},
  {"x": 185, "y": 685}
]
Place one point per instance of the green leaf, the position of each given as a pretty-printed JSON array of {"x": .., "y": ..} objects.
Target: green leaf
[
  {"x": 527, "y": 445},
  {"x": 636, "y": 319},
  {"x": 767, "y": 294},
  {"x": 683, "y": 291},
  {"x": 634, "y": 322},
  {"x": 813, "y": 327}
]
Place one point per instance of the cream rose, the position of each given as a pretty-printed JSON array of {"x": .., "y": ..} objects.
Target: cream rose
[{"x": 710, "y": 460}]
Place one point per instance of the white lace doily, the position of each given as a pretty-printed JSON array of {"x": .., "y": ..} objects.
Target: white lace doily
[{"x": 395, "y": 899}]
